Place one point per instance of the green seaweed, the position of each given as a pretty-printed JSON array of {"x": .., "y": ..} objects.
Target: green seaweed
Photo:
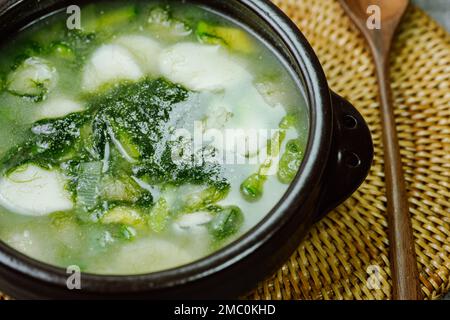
[{"x": 122, "y": 134}]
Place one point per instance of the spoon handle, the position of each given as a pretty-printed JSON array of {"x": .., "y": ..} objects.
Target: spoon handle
[{"x": 405, "y": 275}]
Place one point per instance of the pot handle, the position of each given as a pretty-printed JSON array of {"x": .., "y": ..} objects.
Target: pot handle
[{"x": 351, "y": 156}]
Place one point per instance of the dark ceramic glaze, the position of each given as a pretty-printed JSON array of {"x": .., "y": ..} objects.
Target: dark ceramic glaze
[{"x": 337, "y": 161}]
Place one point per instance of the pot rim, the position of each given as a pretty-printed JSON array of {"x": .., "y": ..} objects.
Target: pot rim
[{"x": 318, "y": 98}]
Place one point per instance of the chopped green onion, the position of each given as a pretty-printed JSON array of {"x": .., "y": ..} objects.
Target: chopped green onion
[
  {"x": 289, "y": 121},
  {"x": 227, "y": 222},
  {"x": 290, "y": 161},
  {"x": 252, "y": 188},
  {"x": 233, "y": 38}
]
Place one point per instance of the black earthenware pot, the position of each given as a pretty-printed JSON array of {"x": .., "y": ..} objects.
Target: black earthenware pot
[{"x": 337, "y": 160}]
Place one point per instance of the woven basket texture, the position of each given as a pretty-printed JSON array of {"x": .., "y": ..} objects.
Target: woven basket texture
[{"x": 346, "y": 255}]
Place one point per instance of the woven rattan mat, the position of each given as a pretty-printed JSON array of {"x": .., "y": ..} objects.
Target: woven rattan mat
[{"x": 346, "y": 255}]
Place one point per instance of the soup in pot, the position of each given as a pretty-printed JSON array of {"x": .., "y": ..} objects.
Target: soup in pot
[{"x": 141, "y": 136}]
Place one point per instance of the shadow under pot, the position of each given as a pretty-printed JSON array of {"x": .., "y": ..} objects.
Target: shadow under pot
[{"x": 319, "y": 134}]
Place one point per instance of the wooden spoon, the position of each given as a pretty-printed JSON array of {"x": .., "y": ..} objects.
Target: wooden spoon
[{"x": 405, "y": 275}]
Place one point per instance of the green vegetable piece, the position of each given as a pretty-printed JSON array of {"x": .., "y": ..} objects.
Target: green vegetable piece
[
  {"x": 127, "y": 233},
  {"x": 290, "y": 161},
  {"x": 194, "y": 202},
  {"x": 117, "y": 17},
  {"x": 159, "y": 216},
  {"x": 274, "y": 144},
  {"x": 52, "y": 139},
  {"x": 273, "y": 150},
  {"x": 233, "y": 38},
  {"x": 49, "y": 141},
  {"x": 289, "y": 121},
  {"x": 62, "y": 50},
  {"x": 127, "y": 145},
  {"x": 123, "y": 215},
  {"x": 226, "y": 223},
  {"x": 253, "y": 187},
  {"x": 215, "y": 193},
  {"x": 122, "y": 188},
  {"x": 90, "y": 174},
  {"x": 105, "y": 20}
]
